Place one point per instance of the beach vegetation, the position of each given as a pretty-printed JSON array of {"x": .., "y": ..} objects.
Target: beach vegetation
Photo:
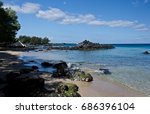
[
  {"x": 9, "y": 25},
  {"x": 33, "y": 40}
]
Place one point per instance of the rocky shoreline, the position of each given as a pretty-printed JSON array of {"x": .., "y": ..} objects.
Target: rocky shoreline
[
  {"x": 30, "y": 82},
  {"x": 17, "y": 80},
  {"x": 85, "y": 45}
]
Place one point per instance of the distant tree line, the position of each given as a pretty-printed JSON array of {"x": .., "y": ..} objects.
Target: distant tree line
[{"x": 34, "y": 40}]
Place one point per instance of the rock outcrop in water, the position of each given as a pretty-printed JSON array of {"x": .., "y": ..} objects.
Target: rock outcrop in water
[
  {"x": 60, "y": 66},
  {"x": 86, "y": 45},
  {"x": 104, "y": 71},
  {"x": 146, "y": 52},
  {"x": 67, "y": 71}
]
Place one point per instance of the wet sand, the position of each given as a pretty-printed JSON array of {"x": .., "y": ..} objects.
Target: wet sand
[
  {"x": 97, "y": 88},
  {"x": 103, "y": 88},
  {"x": 106, "y": 88},
  {"x": 9, "y": 61}
]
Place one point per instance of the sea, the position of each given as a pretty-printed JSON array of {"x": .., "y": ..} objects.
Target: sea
[{"x": 126, "y": 62}]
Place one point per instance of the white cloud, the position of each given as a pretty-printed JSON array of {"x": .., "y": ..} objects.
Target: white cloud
[
  {"x": 25, "y": 8},
  {"x": 77, "y": 19},
  {"x": 62, "y": 17},
  {"x": 146, "y": 1},
  {"x": 55, "y": 14},
  {"x": 51, "y": 14}
]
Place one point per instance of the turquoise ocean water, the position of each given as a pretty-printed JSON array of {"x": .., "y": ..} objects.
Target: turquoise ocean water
[{"x": 126, "y": 62}]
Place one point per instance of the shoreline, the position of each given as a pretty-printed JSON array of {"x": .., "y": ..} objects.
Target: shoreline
[
  {"x": 97, "y": 88},
  {"x": 103, "y": 88}
]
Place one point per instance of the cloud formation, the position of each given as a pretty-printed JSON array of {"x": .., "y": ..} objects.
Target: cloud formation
[
  {"x": 55, "y": 14},
  {"x": 62, "y": 17},
  {"x": 25, "y": 8}
]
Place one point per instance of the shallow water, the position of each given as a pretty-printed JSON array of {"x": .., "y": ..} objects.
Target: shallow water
[{"x": 126, "y": 62}]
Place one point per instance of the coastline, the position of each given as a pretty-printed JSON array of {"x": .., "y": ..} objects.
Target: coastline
[
  {"x": 103, "y": 88},
  {"x": 97, "y": 88}
]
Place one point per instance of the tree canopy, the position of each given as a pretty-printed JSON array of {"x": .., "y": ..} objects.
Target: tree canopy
[
  {"x": 34, "y": 40},
  {"x": 9, "y": 24}
]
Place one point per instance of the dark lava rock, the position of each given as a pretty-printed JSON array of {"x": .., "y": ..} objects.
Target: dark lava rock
[
  {"x": 86, "y": 45},
  {"x": 12, "y": 75},
  {"x": 61, "y": 67},
  {"x": 146, "y": 52},
  {"x": 23, "y": 86},
  {"x": 47, "y": 64},
  {"x": 104, "y": 71},
  {"x": 31, "y": 61},
  {"x": 35, "y": 67},
  {"x": 26, "y": 70}
]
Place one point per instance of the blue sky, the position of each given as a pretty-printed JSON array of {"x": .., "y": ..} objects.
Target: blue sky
[{"x": 103, "y": 21}]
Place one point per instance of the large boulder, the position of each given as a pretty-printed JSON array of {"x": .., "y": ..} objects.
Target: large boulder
[
  {"x": 12, "y": 75},
  {"x": 61, "y": 69},
  {"x": 23, "y": 86},
  {"x": 81, "y": 76},
  {"x": 60, "y": 65},
  {"x": 26, "y": 70},
  {"x": 67, "y": 90},
  {"x": 47, "y": 64}
]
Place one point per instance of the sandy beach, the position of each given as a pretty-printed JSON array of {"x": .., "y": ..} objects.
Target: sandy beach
[
  {"x": 102, "y": 88},
  {"x": 98, "y": 88},
  {"x": 9, "y": 61}
]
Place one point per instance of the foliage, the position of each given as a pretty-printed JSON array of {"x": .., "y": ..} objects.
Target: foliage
[
  {"x": 9, "y": 25},
  {"x": 34, "y": 40}
]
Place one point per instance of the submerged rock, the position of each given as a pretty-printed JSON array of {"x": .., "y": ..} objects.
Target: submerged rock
[
  {"x": 35, "y": 67},
  {"x": 146, "y": 52},
  {"x": 104, "y": 71},
  {"x": 32, "y": 61}
]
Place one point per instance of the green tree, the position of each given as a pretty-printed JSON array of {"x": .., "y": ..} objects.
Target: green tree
[
  {"x": 45, "y": 40},
  {"x": 24, "y": 39},
  {"x": 34, "y": 40},
  {"x": 9, "y": 25}
]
